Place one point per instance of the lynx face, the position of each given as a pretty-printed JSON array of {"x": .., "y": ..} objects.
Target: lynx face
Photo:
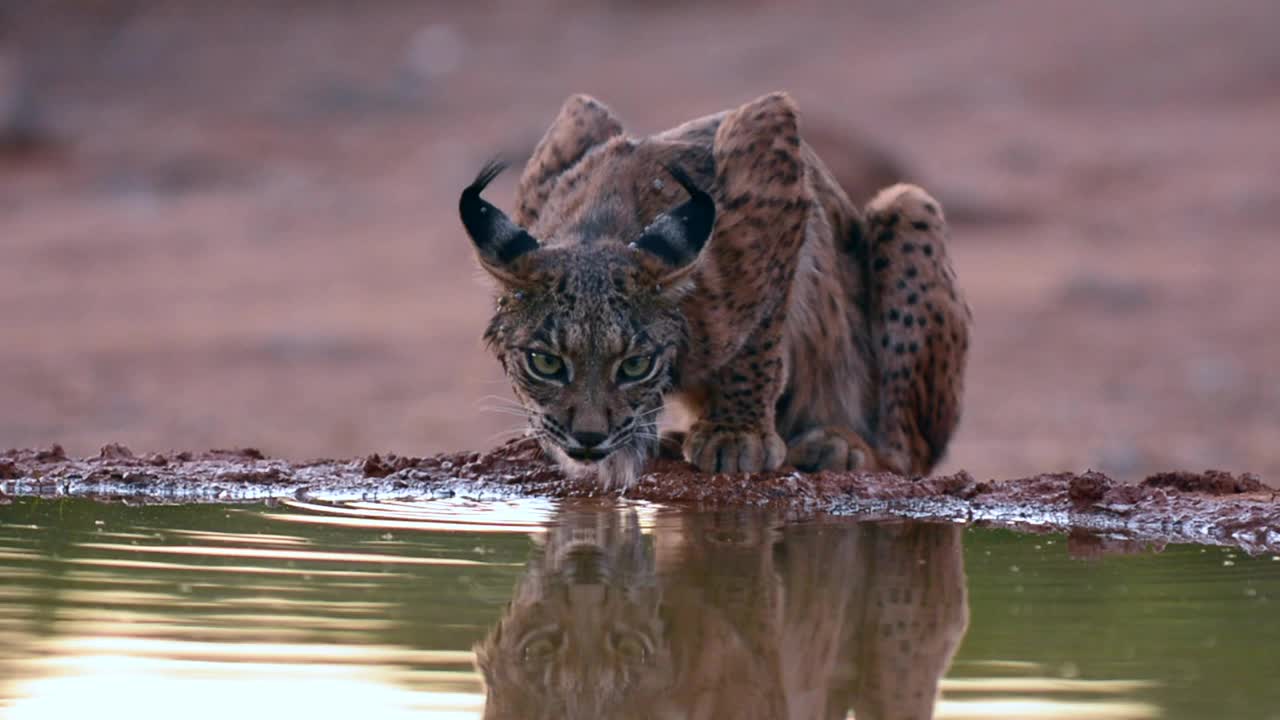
[
  {"x": 590, "y": 356},
  {"x": 583, "y": 637},
  {"x": 589, "y": 332}
]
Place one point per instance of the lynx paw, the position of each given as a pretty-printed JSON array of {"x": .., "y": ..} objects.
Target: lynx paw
[
  {"x": 830, "y": 448},
  {"x": 718, "y": 449}
]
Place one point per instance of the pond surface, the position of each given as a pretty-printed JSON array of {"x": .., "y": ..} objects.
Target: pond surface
[{"x": 398, "y": 609}]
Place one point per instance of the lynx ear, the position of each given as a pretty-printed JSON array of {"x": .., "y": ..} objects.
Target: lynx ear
[
  {"x": 498, "y": 240},
  {"x": 677, "y": 236}
]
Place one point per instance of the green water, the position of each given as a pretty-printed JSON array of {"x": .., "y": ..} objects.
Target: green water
[{"x": 387, "y": 610}]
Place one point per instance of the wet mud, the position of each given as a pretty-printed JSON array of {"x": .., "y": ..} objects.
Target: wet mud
[{"x": 1212, "y": 507}]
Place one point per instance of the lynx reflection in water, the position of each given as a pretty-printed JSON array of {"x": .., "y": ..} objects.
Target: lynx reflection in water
[{"x": 728, "y": 616}]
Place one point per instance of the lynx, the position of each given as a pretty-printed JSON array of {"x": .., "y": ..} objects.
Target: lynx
[
  {"x": 719, "y": 265},
  {"x": 728, "y": 615}
]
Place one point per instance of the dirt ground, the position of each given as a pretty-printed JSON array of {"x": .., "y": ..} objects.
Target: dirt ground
[
  {"x": 242, "y": 231},
  {"x": 1102, "y": 515}
]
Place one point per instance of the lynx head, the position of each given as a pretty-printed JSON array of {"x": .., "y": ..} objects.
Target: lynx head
[
  {"x": 583, "y": 636},
  {"x": 589, "y": 332}
]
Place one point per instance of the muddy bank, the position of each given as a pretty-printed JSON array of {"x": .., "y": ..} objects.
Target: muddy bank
[{"x": 1212, "y": 507}]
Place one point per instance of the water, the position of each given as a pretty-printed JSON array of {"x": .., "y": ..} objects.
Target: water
[{"x": 384, "y": 610}]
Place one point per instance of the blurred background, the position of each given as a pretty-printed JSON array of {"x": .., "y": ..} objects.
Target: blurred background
[{"x": 233, "y": 223}]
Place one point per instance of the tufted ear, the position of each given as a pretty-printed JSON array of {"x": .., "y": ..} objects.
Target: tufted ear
[
  {"x": 677, "y": 236},
  {"x": 498, "y": 240}
]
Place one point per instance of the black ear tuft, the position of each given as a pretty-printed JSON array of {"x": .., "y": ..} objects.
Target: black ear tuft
[
  {"x": 498, "y": 240},
  {"x": 491, "y": 170},
  {"x": 678, "y": 235}
]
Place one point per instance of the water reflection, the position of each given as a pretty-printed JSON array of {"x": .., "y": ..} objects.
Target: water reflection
[
  {"x": 728, "y": 615},
  {"x": 211, "y": 612},
  {"x": 463, "y": 609}
]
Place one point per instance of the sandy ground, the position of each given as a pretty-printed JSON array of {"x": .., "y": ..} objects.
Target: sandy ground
[{"x": 244, "y": 233}]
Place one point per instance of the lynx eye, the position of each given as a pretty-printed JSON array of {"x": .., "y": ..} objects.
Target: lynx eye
[
  {"x": 546, "y": 365},
  {"x": 540, "y": 647},
  {"x": 631, "y": 648},
  {"x": 635, "y": 367}
]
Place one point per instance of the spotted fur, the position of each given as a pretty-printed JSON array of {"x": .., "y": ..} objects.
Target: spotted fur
[{"x": 782, "y": 327}]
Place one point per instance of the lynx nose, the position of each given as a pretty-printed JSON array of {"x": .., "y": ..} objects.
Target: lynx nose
[{"x": 589, "y": 440}]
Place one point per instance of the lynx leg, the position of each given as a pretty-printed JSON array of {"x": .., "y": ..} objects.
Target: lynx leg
[
  {"x": 736, "y": 431},
  {"x": 762, "y": 204},
  {"x": 920, "y": 328}
]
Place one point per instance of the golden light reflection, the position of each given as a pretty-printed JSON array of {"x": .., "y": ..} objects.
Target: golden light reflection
[
  {"x": 1034, "y": 695},
  {"x": 8, "y": 612},
  {"x": 125, "y": 598},
  {"x": 1044, "y": 685},
  {"x": 455, "y": 515},
  {"x": 12, "y": 592},
  {"x": 21, "y": 555},
  {"x": 239, "y": 538},
  {"x": 1017, "y": 665},
  {"x": 387, "y": 524},
  {"x": 272, "y": 554},
  {"x": 142, "y": 679},
  {"x": 11, "y": 638},
  {"x": 1043, "y": 709},
  {"x": 337, "y": 607},
  {"x": 262, "y": 653},
  {"x": 300, "y": 621},
  {"x": 106, "y": 619},
  {"x": 204, "y": 631},
  {"x": 407, "y": 516},
  {"x": 96, "y": 577},
  {"x": 228, "y": 569},
  {"x": 1040, "y": 697}
]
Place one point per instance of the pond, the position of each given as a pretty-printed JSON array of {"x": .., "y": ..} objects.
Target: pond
[{"x": 524, "y": 609}]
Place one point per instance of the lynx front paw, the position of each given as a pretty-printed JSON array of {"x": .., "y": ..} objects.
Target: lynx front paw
[
  {"x": 718, "y": 449},
  {"x": 830, "y": 448}
]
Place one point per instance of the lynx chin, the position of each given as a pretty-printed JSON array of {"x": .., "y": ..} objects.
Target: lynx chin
[{"x": 719, "y": 265}]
